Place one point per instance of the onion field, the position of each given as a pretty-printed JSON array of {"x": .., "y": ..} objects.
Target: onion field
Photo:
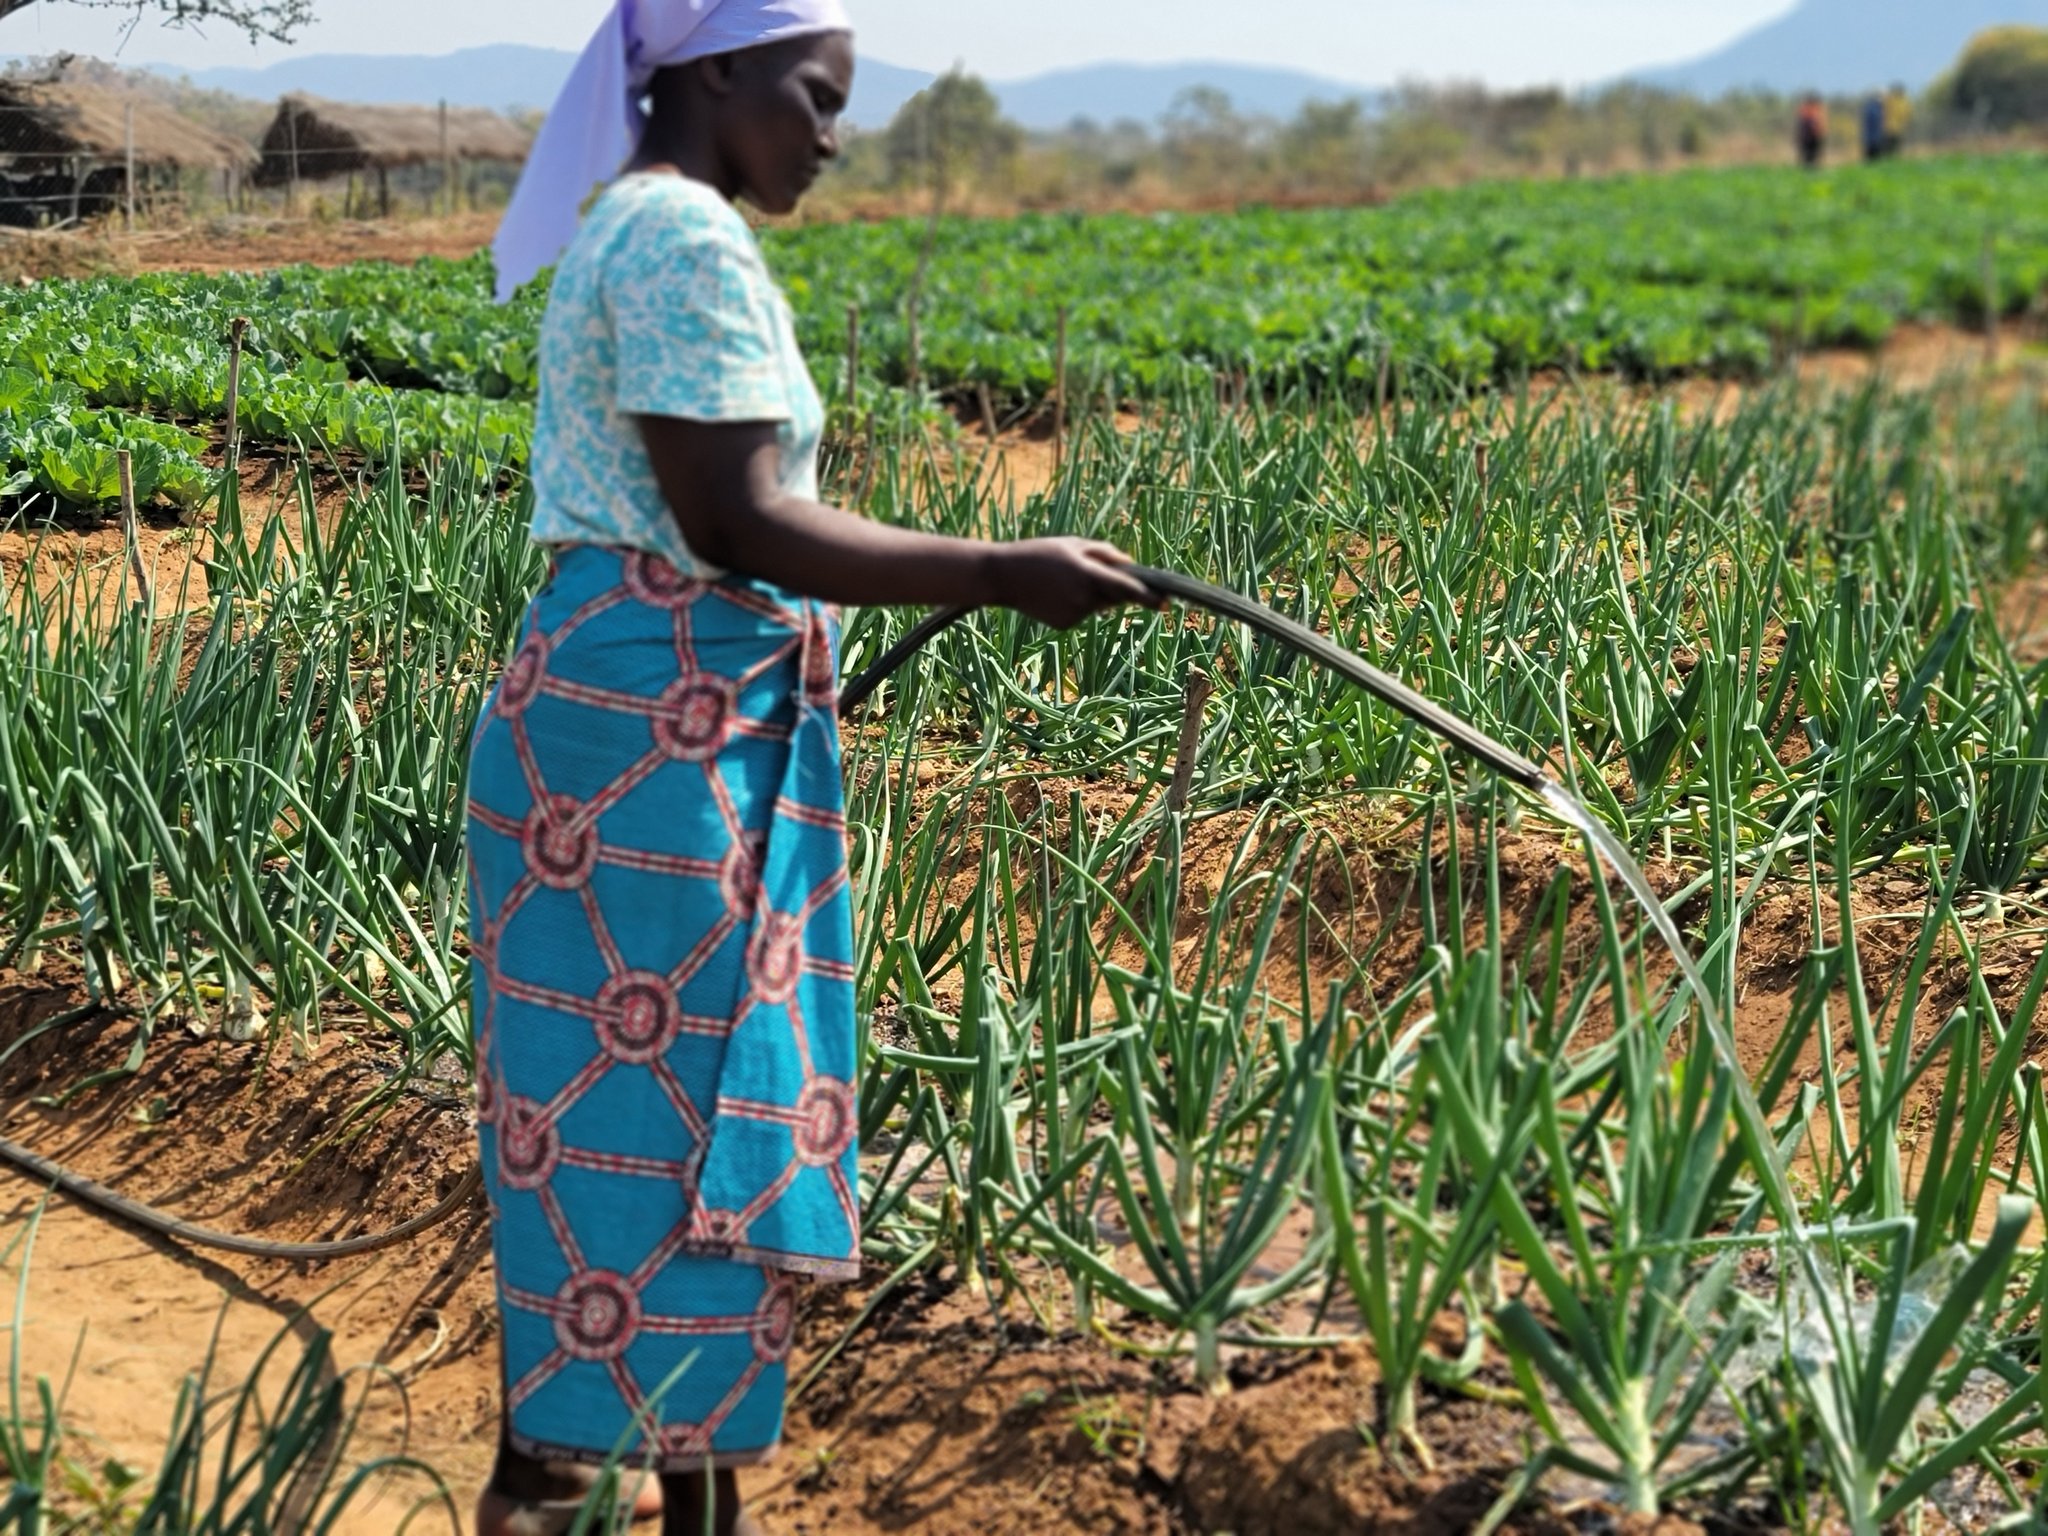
[{"x": 1217, "y": 1013}]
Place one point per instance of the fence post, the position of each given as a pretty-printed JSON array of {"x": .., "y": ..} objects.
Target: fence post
[
  {"x": 130, "y": 136},
  {"x": 447, "y": 164},
  {"x": 291, "y": 187}
]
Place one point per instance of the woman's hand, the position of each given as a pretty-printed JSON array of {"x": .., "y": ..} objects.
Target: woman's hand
[{"x": 1063, "y": 581}]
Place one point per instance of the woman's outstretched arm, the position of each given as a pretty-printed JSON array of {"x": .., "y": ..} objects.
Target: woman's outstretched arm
[{"x": 722, "y": 482}]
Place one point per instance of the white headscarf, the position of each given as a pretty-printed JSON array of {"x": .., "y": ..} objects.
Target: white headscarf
[{"x": 597, "y": 123}]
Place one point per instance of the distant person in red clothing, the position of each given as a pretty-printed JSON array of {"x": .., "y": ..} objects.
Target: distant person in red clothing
[{"x": 1813, "y": 130}]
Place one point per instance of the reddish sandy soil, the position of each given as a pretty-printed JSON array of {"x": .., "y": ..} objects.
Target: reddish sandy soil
[{"x": 241, "y": 245}]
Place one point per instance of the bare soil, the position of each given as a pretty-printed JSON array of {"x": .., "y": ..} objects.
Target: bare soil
[
  {"x": 233, "y": 244},
  {"x": 936, "y": 1419}
]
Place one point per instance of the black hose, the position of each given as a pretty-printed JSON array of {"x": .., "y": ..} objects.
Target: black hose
[
  {"x": 927, "y": 629},
  {"x": 1234, "y": 606},
  {"x": 192, "y": 1235}
]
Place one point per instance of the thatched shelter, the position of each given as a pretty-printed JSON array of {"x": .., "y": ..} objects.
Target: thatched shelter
[
  {"x": 65, "y": 148},
  {"x": 316, "y": 140}
]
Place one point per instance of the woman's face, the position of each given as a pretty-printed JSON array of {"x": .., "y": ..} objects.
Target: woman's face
[{"x": 782, "y": 116}]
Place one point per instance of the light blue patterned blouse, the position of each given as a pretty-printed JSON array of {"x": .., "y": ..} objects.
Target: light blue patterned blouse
[{"x": 662, "y": 307}]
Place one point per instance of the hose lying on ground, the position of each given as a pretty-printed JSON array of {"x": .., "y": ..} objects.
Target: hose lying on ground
[
  {"x": 1219, "y": 601},
  {"x": 192, "y": 1235}
]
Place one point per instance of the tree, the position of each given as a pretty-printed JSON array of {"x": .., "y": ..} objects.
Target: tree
[
  {"x": 278, "y": 20},
  {"x": 951, "y": 128},
  {"x": 1327, "y": 144},
  {"x": 1206, "y": 141},
  {"x": 2001, "y": 81}
]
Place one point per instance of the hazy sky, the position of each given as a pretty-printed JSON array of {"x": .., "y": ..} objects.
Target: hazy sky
[{"x": 1368, "y": 42}]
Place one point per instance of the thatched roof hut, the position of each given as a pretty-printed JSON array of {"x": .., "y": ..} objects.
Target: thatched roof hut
[
  {"x": 49, "y": 128},
  {"x": 311, "y": 139}
]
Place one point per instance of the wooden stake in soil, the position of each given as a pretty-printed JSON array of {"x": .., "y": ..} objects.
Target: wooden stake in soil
[
  {"x": 1479, "y": 451},
  {"x": 853, "y": 360},
  {"x": 1059, "y": 396},
  {"x": 1194, "y": 699},
  {"x": 988, "y": 409},
  {"x": 238, "y": 330},
  {"x": 130, "y": 533}
]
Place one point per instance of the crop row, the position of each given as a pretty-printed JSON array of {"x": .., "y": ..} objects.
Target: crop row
[
  {"x": 159, "y": 345},
  {"x": 1713, "y": 270},
  {"x": 52, "y": 441}
]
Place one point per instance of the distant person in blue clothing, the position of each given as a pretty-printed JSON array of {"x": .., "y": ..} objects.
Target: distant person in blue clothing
[{"x": 1876, "y": 138}]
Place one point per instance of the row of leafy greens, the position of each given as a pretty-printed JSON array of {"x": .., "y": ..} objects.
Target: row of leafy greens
[{"x": 1716, "y": 270}]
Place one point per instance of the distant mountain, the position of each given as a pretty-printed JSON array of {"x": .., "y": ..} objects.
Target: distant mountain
[
  {"x": 1846, "y": 45},
  {"x": 502, "y": 75},
  {"x": 508, "y": 76}
]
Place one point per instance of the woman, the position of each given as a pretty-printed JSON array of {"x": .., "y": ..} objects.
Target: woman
[
  {"x": 660, "y": 921},
  {"x": 1812, "y": 130}
]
